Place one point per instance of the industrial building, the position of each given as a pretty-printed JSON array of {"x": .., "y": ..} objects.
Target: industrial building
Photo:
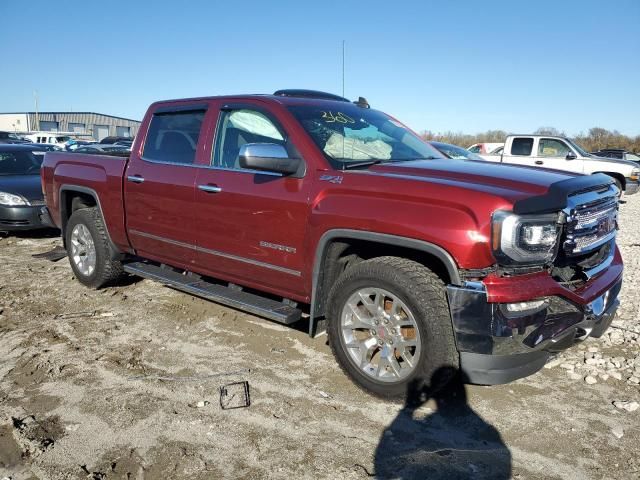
[{"x": 94, "y": 125}]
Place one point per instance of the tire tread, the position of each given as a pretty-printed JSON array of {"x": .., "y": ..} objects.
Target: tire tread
[{"x": 428, "y": 291}]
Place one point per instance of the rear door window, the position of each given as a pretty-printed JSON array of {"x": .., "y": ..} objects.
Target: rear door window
[
  {"x": 173, "y": 137},
  {"x": 550, "y": 147},
  {"x": 522, "y": 146}
]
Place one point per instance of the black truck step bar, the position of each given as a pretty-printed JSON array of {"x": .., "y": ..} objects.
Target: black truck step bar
[{"x": 231, "y": 295}]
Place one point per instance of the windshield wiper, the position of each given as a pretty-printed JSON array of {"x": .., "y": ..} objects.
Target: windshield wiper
[{"x": 367, "y": 163}]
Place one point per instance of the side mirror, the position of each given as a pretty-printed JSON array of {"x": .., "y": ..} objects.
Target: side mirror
[
  {"x": 268, "y": 157},
  {"x": 571, "y": 156}
]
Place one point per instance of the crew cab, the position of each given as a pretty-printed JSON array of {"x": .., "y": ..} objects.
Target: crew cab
[
  {"x": 562, "y": 153},
  {"x": 302, "y": 206}
]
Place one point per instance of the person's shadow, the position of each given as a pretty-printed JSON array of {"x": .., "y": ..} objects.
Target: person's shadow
[{"x": 452, "y": 443}]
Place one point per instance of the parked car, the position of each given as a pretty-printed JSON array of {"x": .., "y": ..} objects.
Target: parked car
[
  {"x": 73, "y": 144},
  {"x": 114, "y": 140},
  {"x": 562, "y": 153},
  {"x": 124, "y": 143},
  {"x": 52, "y": 138},
  {"x": 306, "y": 202},
  {"x": 97, "y": 148},
  {"x": 43, "y": 147},
  {"x": 455, "y": 152},
  {"x": 22, "y": 204},
  {"x": 12, "y": 138},
  {"x": 619, "y": 153},
  {"x": 39, "y": 149},
  {"x": 485, "y": 148}
]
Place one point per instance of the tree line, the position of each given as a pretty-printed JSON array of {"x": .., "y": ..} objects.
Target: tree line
[{"x": 595, "y": 139}]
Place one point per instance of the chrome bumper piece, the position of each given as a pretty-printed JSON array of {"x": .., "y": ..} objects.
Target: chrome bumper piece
[{"x": 498, "y": 347}]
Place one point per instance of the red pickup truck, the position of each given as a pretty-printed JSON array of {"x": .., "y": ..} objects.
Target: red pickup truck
[{"x": 304, "y": 206}]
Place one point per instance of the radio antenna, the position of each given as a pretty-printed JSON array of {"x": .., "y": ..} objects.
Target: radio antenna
[{"x": 343, "y": 48}]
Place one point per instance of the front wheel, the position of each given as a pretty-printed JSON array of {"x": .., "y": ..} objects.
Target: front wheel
[
  {"x": 89, "y": 249},
  {"x": 389, "y": 327},
  {"x": 619, "y": 187}
]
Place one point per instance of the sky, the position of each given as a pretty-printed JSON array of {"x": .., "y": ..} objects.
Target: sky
[{"x": 457, "y": 65}]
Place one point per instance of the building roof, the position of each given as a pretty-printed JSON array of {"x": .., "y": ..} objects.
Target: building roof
[{"x": 70, "y": 113}]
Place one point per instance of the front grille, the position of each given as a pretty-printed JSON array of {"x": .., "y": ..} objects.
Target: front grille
[
  {"x": 13, "y": 223},
  {"x": 590, "y": 225},
  {"x": 36, "y": 203}
]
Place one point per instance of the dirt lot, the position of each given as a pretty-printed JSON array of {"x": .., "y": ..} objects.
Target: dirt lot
[{"x": 73, "y": 403}]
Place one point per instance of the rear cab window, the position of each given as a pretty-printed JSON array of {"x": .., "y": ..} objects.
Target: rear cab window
[
  {"x": 173, "y": 135},
  {"x": 522, "y": 146}
]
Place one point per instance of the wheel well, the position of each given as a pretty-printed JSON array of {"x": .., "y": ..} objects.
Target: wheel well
[
  {"x": 617, "y": 176},
  {"x": 341, "y": 253},
  {"x": 71, "y": 201}
]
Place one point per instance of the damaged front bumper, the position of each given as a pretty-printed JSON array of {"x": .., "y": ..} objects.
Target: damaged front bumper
[{"x": 497, "y": 345}]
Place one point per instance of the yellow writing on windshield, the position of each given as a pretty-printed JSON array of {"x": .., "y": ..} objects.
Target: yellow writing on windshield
[{"x": 339, "y": 117}]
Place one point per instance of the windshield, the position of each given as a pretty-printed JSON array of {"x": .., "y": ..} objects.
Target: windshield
[
  {"x": 578, "y": 148},
  {"x": 347, "y": 133},
  {"x": 456, "y": 153},
  {"x": 19, "y": 163}
]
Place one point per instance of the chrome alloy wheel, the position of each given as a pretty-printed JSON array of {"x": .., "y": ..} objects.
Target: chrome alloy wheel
[
  {"x": 381, "y": 334},
  {"x": 83, "y": 250}
]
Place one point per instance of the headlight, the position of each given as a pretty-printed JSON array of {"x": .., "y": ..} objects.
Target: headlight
[
  {"x": 635, "y": 174},
  {"x": 524, "y": 239},
  {"x": 11, "y": 199}
]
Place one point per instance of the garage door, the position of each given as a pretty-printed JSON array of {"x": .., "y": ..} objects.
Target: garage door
[
  {"x": 100, "y": 131},
  {"x": 122, "y": 132},
  {"x": 48, "y": 126}
]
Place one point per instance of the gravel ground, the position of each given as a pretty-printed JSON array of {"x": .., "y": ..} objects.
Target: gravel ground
[{"x": 92, "y": 385}]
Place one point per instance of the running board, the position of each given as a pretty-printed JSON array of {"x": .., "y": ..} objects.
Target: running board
[{"x": 232, "y": 296}]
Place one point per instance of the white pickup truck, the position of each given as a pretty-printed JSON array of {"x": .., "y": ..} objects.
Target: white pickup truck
[{"x": 561, "y": 153}]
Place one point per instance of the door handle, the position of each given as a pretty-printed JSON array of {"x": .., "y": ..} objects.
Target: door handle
[
  {"x": 135, "y": 178},
  {"x": 209, "y": 188},
  {"x": 539, "y": 162}
]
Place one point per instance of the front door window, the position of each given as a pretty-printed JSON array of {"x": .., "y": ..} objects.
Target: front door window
[
  {"x": 239, "y": 127},
  {"x": 550, "y": 147}
]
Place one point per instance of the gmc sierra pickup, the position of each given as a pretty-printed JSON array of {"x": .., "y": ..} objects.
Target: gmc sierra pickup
[{"x": 302, "y": 205}]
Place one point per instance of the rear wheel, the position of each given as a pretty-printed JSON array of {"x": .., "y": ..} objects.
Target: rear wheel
[
  {"x": 389, "y": 327},
  {"x": 89, "y": 249}
]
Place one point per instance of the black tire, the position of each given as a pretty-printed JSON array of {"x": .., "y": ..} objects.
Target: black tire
[
  {"x": 106, "y": 270},
  {"x": 424, "y": 293},
  {"x": 619, "y": 185}
]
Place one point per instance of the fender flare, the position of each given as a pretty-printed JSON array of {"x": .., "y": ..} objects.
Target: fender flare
[
  {"x": 116, "y": 253},
  {"x": 382, "y": 238}
]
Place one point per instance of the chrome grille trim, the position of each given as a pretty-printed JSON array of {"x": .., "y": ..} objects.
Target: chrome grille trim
[{"x": 592, "y": 221}]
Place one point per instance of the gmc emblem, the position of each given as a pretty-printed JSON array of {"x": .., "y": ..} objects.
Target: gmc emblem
[{"x": 606, "y": 225}]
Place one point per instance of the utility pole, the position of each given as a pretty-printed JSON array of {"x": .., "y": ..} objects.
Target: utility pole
[{"x": 35, "y": 99}]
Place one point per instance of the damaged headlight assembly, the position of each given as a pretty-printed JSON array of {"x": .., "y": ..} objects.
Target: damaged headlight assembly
[{"x": 524, "y": 239}]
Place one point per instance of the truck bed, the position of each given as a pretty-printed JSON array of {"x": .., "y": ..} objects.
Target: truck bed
[{"x": 101, "y": 174}]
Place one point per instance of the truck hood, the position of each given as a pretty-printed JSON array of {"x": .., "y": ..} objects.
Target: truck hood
[
  {"x": 511, "y": 182},
  {"x": 617, "y": 161},
  {"x": 28, "y": 186}
]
